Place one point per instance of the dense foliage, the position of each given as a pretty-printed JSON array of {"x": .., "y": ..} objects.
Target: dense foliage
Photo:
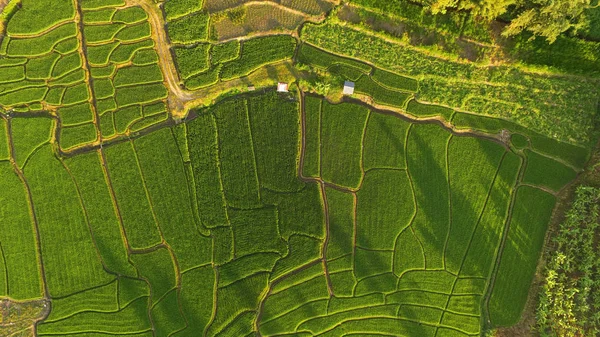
[
  {"x": 570, "y": 298},
  {"x": 547, "y": 18}
]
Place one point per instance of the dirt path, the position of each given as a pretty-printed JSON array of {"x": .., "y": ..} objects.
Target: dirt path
[{"x": 177, "y": 95}]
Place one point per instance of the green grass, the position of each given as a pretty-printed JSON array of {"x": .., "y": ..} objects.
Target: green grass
[
  {"x": 166, "y": 316},
  {"x": 134, "y": 33},
  {"x": 133, "y": 319},
  {"x": 365, "y": 85},
  {"x": 299, "y": 213},
  {"x": 287, "y": 322},
  {"x": 158, "y": 269},
  {"x": 341, "y": 223},
  {"x": 177, "y": 8},
  {"x": 293, "y": 297},
  {"x": 145, "y": 57},
  {"x": 426, "y": 161},
  {"x": 205, "y": 165},
  {"x": 76, "y": 114},
  {"x": 96, "y": 34},
  {"x": 99, "y": 55},
  {"x": 137, "y": 75},
  {"x": 236, "y": 155},
  {"x": 130, "y": 15},
  {"x": 27, "y": 135},
  {"x": 319, "y": 58},
  {"x": 519, "y": 141},
  {"x": 222, "y": 245},
  {"x": 528, "y": 225},
  {"x": 192, "y": 59},
  {"x": 575, "y": 155},
  {"x": 472, "y": 164},
  {"x": 195, "y": 284},
  {"x": 394, "y": 81},
  {"x": 255, "y": 231},
  {"x": 257, "y": 52},
  {"x": 245, "y": 266},
  {"x": 70, "y": 260},
  {"x": 35, "y": 68},
  {"x": 301, "y": 250},
  {"x": 371, "y": 263},
  {"x": 481, "y": 253},
  {"x": 320, "y": 325},
  {"x": 43, "y": 44},
  {"x": 408, "y": 253},
  {"x": 418, "y": 109},
  {"x": 545, "y": 172},
  {"x": 76, "y": 94},
  {"x": 77, "y": 135},
  {"x": 18, "y": 240},
  {"x": 105, "y": 299},
  {"x": 312, "y": 131},
  {"x": 383, "y": 146},
  {"x": 4, "y": 151},
  {"x": 189, "y": 29},
  {"x": 147, "y": 93},
  {"x": 205, "y": 79},
  {"x": 99, "y": 16},
  {"x": 103, "y": 88},
  {"x": 125, "y": 52},
  {"x": 167, "y": 185},
  {"x": 124, "y": 117},
  {"x": 129, "y": 192},
  {"x": 237, "y": 298},
  {"x": 98, "y": 4},
  {"x": 385, "y": 207},
  {"x": 341, "y": 143},
  {"x": 274, "y": 123},
  {"x": 223, "y": 52},
  {"x": 37, "y": 16},
  {"x": 102, "y": 216}
]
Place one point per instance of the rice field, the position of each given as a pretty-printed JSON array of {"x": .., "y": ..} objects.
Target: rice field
[{"x": 259, "y": 213}]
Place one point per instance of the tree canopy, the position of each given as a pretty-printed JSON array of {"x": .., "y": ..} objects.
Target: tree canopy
[{"x": 546, "y": 18}]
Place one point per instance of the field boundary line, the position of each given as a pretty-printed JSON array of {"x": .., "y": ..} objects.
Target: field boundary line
[{"x": 450, "y": 204}]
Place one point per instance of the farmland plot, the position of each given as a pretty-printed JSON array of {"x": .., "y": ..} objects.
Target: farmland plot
[
  {"x": 210, "y": 227},
  {"x": 268, "y": 213}
]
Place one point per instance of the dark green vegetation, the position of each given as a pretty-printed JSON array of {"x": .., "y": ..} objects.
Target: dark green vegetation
[
  {"x": 416, "y": 207},
  {"x": 569, "y": 301}
]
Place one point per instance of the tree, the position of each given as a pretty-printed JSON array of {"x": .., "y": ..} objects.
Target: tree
[{"x": 549, "y": 18}]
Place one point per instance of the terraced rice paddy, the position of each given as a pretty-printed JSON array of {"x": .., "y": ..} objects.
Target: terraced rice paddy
[{"x": 261, "y": 213}]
